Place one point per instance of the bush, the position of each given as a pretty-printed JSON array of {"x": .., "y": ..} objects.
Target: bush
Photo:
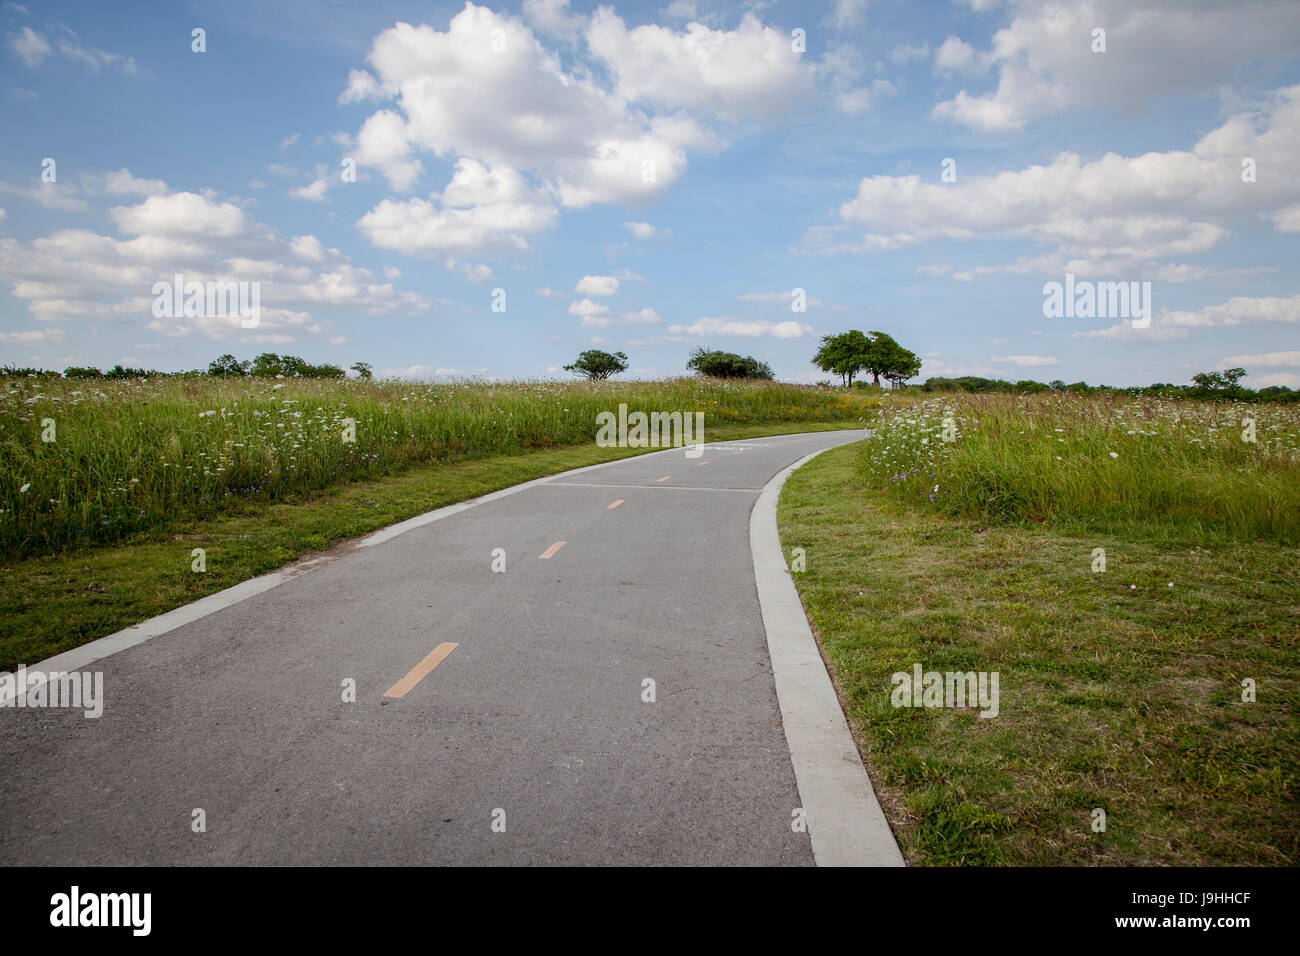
[{"x": 716, "y": 364}]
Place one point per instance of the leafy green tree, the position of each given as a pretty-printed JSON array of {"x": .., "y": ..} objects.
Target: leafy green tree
[
  {"x": 292, "y": 365},
  {"x": 119, "y": 372},
  {"x": 1029, "y": 386},
  {"x": 848, "y": 353},
  {"x": 716, "y": 364},
  {"x": 364, "y": 370},
  {"x": 844, "y": 354},
  {"x": 268, "y": 363},
  {"x": 887, "y": 358},
  {"x": 227, "y": 365},
  {"x": 596, "y": 366},
  {"x": 1225, "y": 381}
]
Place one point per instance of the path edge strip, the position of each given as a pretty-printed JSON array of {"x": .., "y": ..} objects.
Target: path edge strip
[{"x": 845, "y": 821}]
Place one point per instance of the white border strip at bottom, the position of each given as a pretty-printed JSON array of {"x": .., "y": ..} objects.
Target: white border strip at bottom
[{"x": 845, "y": 821}]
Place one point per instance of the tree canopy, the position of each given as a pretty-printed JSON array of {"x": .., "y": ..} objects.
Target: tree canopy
[
  {"x": 848, "y": 353},
  {"x": 1225, "y": 381},
  {"x": 597, "y": 366},
  {"x": 717, "y": 364}
]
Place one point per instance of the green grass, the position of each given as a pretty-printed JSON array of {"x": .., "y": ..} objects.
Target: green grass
[
  {"x": 1151, "y": 466},
  {"x": 52, "y": 603},
  {"x": 135, "y": 455},
  {"x": 1116, "y": 691}
]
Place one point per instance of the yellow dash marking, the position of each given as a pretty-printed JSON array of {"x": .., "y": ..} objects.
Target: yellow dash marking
[
  {"x": 550, "y": 552},
  {"x": 616, "y": 504},
  {"x": 420, "y": 671},
  {"x": 664, "y": 478},
  {"x": 704, "y": 463}
]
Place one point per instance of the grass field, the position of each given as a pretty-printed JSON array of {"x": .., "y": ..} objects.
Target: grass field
[
  {"x": 96, "y": 462},
  {"x": 1120, "y": 689},
  {"x": 1203, "y": 468}
]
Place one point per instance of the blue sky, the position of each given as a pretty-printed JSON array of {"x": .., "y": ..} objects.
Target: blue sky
[{"x": 649, "y": 178}]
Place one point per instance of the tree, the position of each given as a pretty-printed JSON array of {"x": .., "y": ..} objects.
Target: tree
[
  {"x": 597, "y": 366},
  {"x": 717, "y": 364},
  {"x": 903, "y": 367},
  {"x": 228, "y": 365},
  {"x": 844, "y": 354},
  {"x": 119, "y": 372},
  {"x": 364, "y": 370},
  {"x": 268, "y": 363},
  {"x": 1225, "y": 381},
  {"x": 292, "y": 366},
  {"x": 1029, "y": 386},
  {"x": 887, "y": 358},
  {"x": 851, "y": 352}
]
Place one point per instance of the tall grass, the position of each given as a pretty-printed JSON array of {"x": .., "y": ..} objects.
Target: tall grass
[
  {"x": 1097, "y": 462},
  {"x": 135, "y": 454}
]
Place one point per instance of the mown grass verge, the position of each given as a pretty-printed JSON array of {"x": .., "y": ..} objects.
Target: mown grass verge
[{"x": 1117, "y": 691}]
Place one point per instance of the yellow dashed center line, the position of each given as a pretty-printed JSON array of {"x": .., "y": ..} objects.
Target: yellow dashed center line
[
  {"x": 549, "y": 552},
  {"x": 704, "y": 463},
  {"x": 615, "y": 504},
  {"x": 420, "y": 671},
  {"x": 664, "y": 478}
]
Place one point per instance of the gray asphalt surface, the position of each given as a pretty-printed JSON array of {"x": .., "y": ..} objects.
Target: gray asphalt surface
[{"x": 538, "y": 712}]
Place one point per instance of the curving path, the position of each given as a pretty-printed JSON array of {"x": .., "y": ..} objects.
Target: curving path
[{"x": 530, "y": 741}]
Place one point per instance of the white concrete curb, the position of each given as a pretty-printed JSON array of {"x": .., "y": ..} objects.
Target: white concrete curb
[{"x": 845, "y": 821}]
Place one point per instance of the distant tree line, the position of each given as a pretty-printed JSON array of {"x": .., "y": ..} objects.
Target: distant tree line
[
  {"x": 268, "y": 365},
  {"x": 846, "y": 354},
  {"x": 271, "y": 365},
  {"x": 117, "y": 371},
  {"x": 1205, "y": 385}
]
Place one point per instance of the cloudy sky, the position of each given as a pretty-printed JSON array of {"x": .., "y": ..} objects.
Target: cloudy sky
[{"x": 649, "y": 178}]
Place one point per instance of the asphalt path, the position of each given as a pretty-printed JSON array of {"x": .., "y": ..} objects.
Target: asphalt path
[{"x": 535, "y": 739}]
